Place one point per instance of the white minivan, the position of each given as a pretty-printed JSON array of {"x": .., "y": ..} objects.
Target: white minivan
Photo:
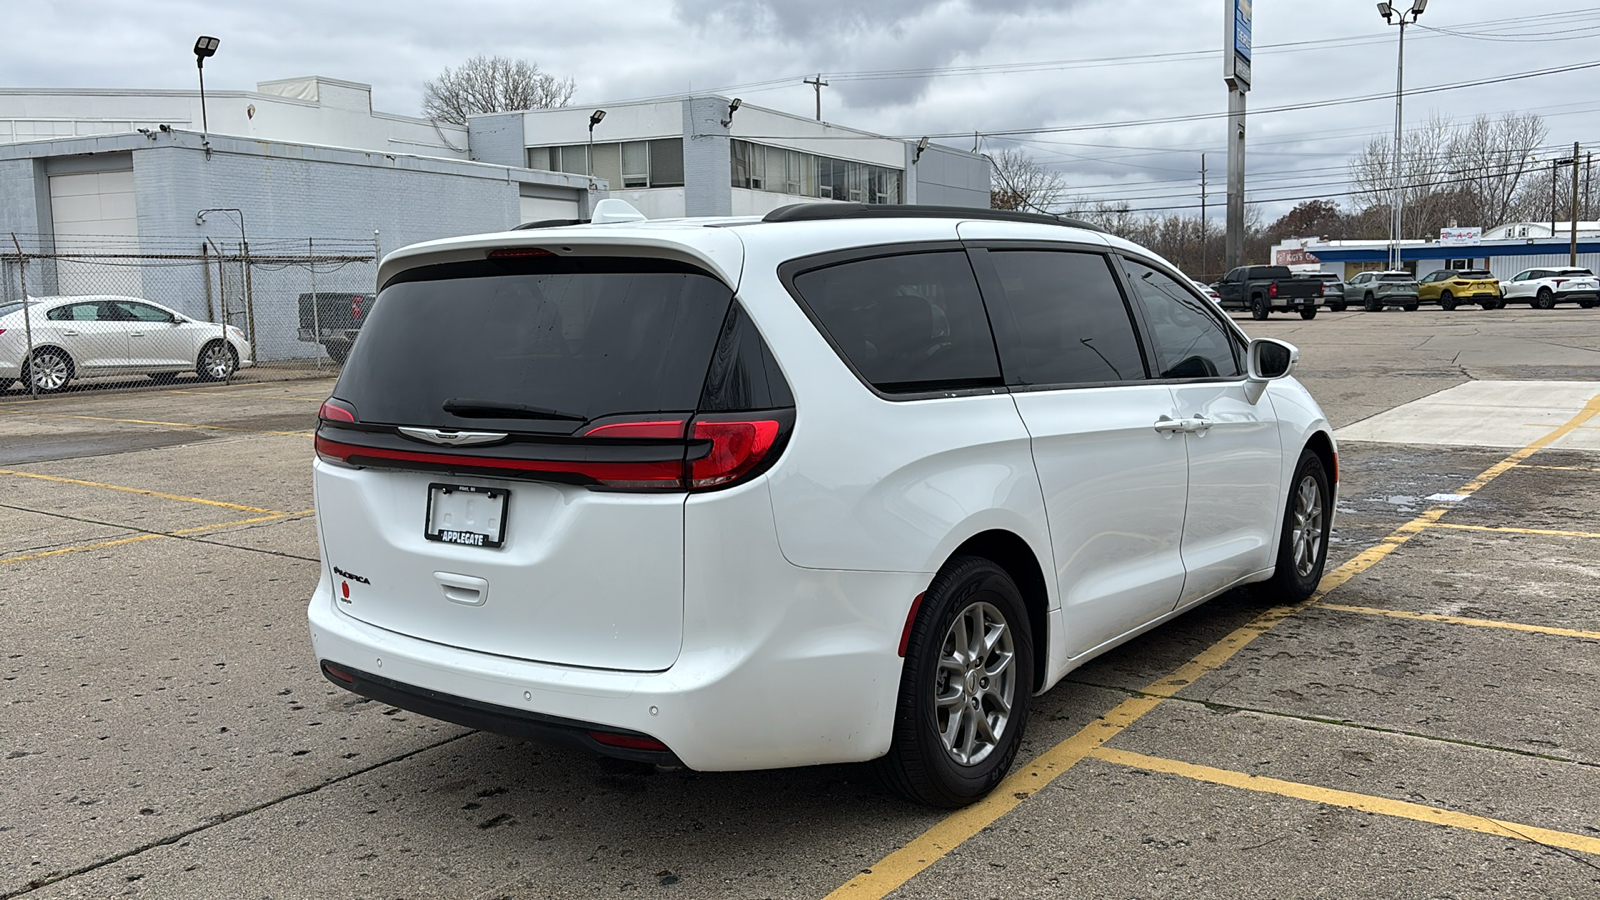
[{"x": 847, "y": 482}]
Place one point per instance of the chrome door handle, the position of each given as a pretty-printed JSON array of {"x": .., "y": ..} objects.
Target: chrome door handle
[
  {"x": 137, "y": 334},
  {"x": 69, "y": 334}
]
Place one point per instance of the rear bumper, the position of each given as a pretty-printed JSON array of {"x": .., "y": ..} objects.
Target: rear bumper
[{"x": 779, "y": 666}]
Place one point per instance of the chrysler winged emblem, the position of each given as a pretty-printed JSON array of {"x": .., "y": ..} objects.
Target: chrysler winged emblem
[{"x": 451, "y": 438}]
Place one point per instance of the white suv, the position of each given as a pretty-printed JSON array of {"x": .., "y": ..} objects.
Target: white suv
[
  {"x": 1544, "y": 288},
  {"x": 844, "y": 483}
]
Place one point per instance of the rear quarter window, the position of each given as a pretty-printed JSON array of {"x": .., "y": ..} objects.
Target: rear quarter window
[{"x": 906, "y": 323}]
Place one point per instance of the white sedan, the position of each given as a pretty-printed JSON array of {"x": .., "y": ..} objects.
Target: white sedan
[{"x": 91, "y": 336}]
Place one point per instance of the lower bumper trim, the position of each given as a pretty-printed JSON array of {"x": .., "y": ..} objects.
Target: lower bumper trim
[{"x": 544, "y": 729}]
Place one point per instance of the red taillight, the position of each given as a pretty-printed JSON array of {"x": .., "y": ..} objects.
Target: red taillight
[
  {"x": 355, "y": 308},
  {"x": 1272, "y": 290},
  {"x": 336, "y": 411},
  {"x": 668, "y": 429},
  {"x": 1322, "y": 290},
  {"x": 658, "y": 474},
  {"x": 518, "y": 252},
  {"x": 736, "y": 448},
  {"x": 628, "y": 741}
]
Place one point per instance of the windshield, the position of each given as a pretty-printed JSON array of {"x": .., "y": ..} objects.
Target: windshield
[
  {"x": 535, "y": 345},
  {"x": 13, "y": 306}
]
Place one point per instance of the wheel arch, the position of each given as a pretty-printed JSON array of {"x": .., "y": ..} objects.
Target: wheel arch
[{"x": 1009, "y": 551}]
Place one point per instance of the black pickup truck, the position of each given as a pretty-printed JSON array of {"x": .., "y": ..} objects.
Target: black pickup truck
[
  {"x": 333, "y": 319},
  {"x": 1267, "y": 289}
]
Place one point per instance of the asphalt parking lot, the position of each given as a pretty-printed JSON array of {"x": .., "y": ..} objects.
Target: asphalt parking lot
[{"x": 1427, "y": 726}]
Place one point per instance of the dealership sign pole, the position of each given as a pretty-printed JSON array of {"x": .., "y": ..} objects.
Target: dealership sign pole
[{"x": 1236, "y": 74}]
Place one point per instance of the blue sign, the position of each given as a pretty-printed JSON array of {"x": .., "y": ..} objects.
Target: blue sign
[{"x": 1241, "y": 29}]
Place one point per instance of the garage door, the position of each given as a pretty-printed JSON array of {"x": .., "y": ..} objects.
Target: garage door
[
  {"x": 537, "y": 209},
  {"x": 94, "y": 211}
]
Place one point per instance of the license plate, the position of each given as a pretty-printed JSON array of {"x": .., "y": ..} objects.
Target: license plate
[{"x": 467, "y": 515}]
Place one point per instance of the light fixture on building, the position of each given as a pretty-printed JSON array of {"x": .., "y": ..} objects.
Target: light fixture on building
[
  {"x": 921, "y": 146},
  {"x": 732, "y": 108},
  {"x": 204, "y": 46}
]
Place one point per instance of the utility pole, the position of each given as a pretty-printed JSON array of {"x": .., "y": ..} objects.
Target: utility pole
[
  {"x": 819, "y": 84},
  {"x": 1203, "y": 270},
  {"x": 1573, "y": 260},
  {"x": 1236, "y": 74},
  {"x": 1588, "y": 196},
  {"x": 1390, "y": 11}
]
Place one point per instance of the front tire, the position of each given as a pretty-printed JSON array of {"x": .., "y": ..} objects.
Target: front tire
[
  {"x": 1303, "y": 544},
  {"x": 1337, "y": 306},
  {"x": 1371, "y": 304},
  {"x": 1409, "y": 307},
  {"x": 964, "y": 687},
  {"x": 1447, "y": 302},
  {"x": 1308, "y": 312},
  {"x": 217, "y": 361}
]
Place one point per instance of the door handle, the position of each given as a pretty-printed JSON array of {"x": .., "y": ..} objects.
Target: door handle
[
  {"x": 69, "y": 334},
  {"x": 1169, "y": 425},
  {"x": 1199, "y": 424},
  {"x": 137, "y": 334}
]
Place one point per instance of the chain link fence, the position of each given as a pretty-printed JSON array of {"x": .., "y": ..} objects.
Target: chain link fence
[{"x": 112, "y": 315}]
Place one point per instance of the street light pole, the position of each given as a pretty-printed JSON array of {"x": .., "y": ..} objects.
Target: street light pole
[
  {"x": 204, "y": 46},
  {"x": 1389, "y": 13}
]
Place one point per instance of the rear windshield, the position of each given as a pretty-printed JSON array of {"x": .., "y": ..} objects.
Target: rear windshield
[
  {"x": 535, "y": 345},
  {"x": 1270, "y": 272},
  {"x": 1398, "y": 276},
  {"x": 1579, "y": 272},
  {"x": 1474, "y": 273}
]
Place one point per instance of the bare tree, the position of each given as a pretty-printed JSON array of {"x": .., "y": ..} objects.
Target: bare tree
[
  {"x": 486, "y": 84},
  {"x": 1023, "y": 183}
]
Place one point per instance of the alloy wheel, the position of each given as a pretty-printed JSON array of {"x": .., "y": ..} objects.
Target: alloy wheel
[
  {"x": 975, "y": 684},
  {"x": 217, "y": 362},
  {"x": 1306, "y": 533},
  {"x": 49, "y": 372}
]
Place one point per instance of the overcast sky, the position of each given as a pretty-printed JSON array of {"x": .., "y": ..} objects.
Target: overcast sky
[{"x": 1097, "y": 62}]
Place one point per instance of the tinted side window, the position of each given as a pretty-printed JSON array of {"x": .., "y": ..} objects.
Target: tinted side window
[
  {"x": 743, "y": 374},
  {"x": 1067, "y": 322},
  {"x": 142, "y": 312},
  {"x": 1189, "y": 341},
  {"x": 907, "y": 323}
]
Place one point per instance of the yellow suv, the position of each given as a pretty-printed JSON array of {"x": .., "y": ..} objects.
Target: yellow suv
[{"x": 1449, "y": 287}]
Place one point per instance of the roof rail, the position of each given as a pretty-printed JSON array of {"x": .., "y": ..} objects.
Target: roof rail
[
  {"x": 549, "y": 223},
  {"x": 813, "y": 212}
]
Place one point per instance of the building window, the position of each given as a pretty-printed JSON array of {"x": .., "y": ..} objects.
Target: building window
[
  {"x": 760, "y": 168},
  {"x": 625, "y": 165}
]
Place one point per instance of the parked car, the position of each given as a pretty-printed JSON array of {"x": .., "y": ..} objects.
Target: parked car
[
  {"x": 1544, "y": 288},
  {"x": 1332, "y": 290},
  {"x": 1206, "y": 289},
  {"x": 1267, "y": 289},
  {"x": 91, "y": 336},
  {"x": 333, "y": 319},
  {"x": 1379, "y": 289},
  {"x": 842, "y": 483},
  {"x": 1450, "y": 288}
]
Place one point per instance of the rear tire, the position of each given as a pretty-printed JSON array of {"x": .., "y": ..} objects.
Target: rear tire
[
  {"x": 1259, "y": 310},
  {"x": 338, "y": 351},
  {"x": 1545, "y": 300},
  {"x": 963, "y": 700},
  {"x": 1308, "y": 312},
  {"x": 50, "y": 369},
  {"x": 1303, "y": 544}
]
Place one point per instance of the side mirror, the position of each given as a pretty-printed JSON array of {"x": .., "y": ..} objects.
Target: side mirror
[{"x": 1272, "y": 359}]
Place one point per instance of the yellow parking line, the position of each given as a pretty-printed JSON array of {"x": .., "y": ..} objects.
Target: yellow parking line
[
  {"x": 130, "y": 490},
  {"x": 1459, "y": 620},
  {"x": 27, "y": 412},
  {"x": 1364, "y": 802},
  {"x": 150, "y": 536},
  {"x": 257, "y": 395},
  {"x": 1551, "y": 531},
  {"x": 927, "y": 848}
]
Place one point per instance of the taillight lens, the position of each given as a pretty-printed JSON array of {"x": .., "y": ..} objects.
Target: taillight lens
[
  {"x": 628, "y": 741},
  {"x": 336, "y": 411},
  {"x": 659, "y": 429},
  {"x": 736, "y": 448},
  {"x": 518, "y": 252},
  {"x": 1272, "y": 290}
]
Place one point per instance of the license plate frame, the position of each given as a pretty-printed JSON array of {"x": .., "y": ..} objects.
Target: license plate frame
[{"x": 455, "y": 501}]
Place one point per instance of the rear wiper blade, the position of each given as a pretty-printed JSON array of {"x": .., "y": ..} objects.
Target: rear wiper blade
[{"x": 493, "y": 409}]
